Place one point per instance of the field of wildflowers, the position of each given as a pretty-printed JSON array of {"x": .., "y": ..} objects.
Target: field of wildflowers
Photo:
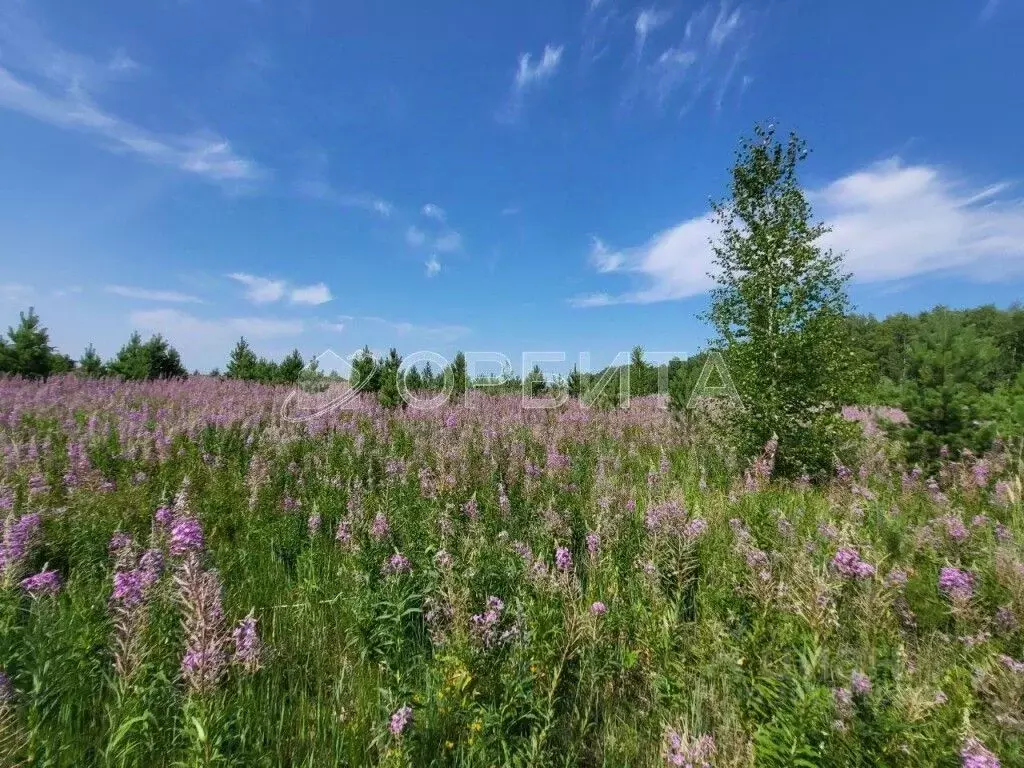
[{"x": 190, "y": 578}]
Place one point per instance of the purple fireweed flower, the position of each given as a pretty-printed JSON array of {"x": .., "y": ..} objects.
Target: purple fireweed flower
[
  {"x": 979, "y": 521},
  {"x": 470, "y": 510},
  {"x": 380, "y": 527},
  {"x": 897, "y": 578},
  {"x": 313, "y": 524},
  {"x": 940, "y": 697},
  {"x": 848, "y": 563},
  {"x": 400, "y": 720},
  {"x": 695, "y": 529},
  {"x": 186, "y": 536},
  {"x": 975, "y": 755},
  {"x": 563, "y": 559},
  {"x": 344, "y": 534},
  {"x": 1011, "y": 663},
  {"x": 129, "y": 587},
  {"x": 151, "y": 565},
  {"x": 843, "y": 700},
  {"x": 523, "y": 550},
  {"x": 17, "y": 539},
  {"x": 43, "y": 583},
  {"x": 827, "y": 531},
  {"x": 1003, "y": 534},
  {"x": 163, "y": 517},
  {"x": 598, "y": 608},
  {"x": 397, "y": 563},
  {"x": 205, "y": 657},
  {"x": 956, "y": 583},
  {"x": 860, "y": 683},
  {"x": 443, "y": 559},
  {"x": 691, "y": 753},
  {"x": 248, "y": 647},
  {"x": 118, "y": 542},
  {"x": 955, "y": 528},
  {"x": 593, "y": 543},
  {"x": 1006, "y": 620}
]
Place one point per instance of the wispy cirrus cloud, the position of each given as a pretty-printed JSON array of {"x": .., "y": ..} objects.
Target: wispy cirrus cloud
[
  {"x": 439, "y": 333},
  {"x": 146, "y": 294},
  {"x": 891, "y": 220},
  {"x": 530, "y": 74},
  {"x": 648, "y": 20},
  {"x": 703, "y": 63},
  {"x": 318, "y": 189},
  {"x": 42, "y": 81}
]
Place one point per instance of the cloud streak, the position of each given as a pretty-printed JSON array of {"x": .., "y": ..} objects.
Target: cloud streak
[
  {"x": 205, "y": 154},
  {"x": 891, "y": 220},
  {"x": 146, "y": 294}
]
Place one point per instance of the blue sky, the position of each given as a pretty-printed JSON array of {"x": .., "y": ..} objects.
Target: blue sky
[{"x": 485, "y": 176}]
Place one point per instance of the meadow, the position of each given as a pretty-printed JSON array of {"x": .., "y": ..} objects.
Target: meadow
[{"x": 191, "y": 578}]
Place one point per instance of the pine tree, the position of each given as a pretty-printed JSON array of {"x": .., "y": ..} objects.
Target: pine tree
[
  {"x": 413, "y": 380},
  {"x": 365, "y": 375},
  {"x": 28, "y": 352},
  {"x": 779, "y": 310},
  {"x": 575, "y": 383},
  {"x": 242, "y": 363},
  {"x": 428, "y": 377},
  {"x": 535, "y": 382},
  {"x": 90, "y": 364},
  {"x": 639, "y": 372},
  {"x": 458, "y": 373},
  {"x": 289, "y": 370},
  {"x": 155, "y": 359},
  {"x": 389, "y": 396}
]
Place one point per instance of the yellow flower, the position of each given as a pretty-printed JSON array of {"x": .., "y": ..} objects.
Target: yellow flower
[
  {"x": 477, "y": 726},
  {"x": 449, "y": 745}
]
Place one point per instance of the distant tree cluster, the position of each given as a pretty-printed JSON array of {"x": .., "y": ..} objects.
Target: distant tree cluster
[
  {"x": 245, "y": 365},
  {"x": 27, "y": 352},
  {"x": 957, "y": 374}
]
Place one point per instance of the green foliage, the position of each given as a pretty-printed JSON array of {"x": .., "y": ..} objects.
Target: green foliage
[
  {"x": 574, "y": 384},
  {"x": 779, "y": 310},
  {"x": 27, "y": 351},
  {"x": 389, "y": 395},
  {"x": 243, "y": 363},
  {"x": 90, "y": 363},
  {"x": 365, "y": 377},
  {"x": 536, "y": 384},
  {"x": 154, "y": 359},
  {"x": 459, "y": 378}
]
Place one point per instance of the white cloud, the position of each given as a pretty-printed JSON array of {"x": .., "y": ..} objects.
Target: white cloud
[
  {"x": 314, "y": 295},
  {"x": 415, "y": 237},
  {"x": 647, "y": 21},
  {"x": 529, "y": 74},
  {"x": 149, "y": 295},
  {"x": 432, "y": 211},
  {"x": 433, "y": 266},
  {"x": 726, "y": 23},
  {"x": 714, "y": 44},
  {"x": 318, "y": 189},
  {"x": 891, "y": 221},
  {"x": 204, "y": 155},
  {"x": 176, "y": 324},
  {"x": 260, "y": 290},
  {"x": 439, "y": 333},
  {"x": 335, "y": 327},
  {"x": 448, "y": 242},
  {"x": 15, "y": 292}
]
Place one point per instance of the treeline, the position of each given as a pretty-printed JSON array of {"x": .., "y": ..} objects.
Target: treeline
[
  {"x": 957, "y": 374},
  {"x": 27, "y": 352}
]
